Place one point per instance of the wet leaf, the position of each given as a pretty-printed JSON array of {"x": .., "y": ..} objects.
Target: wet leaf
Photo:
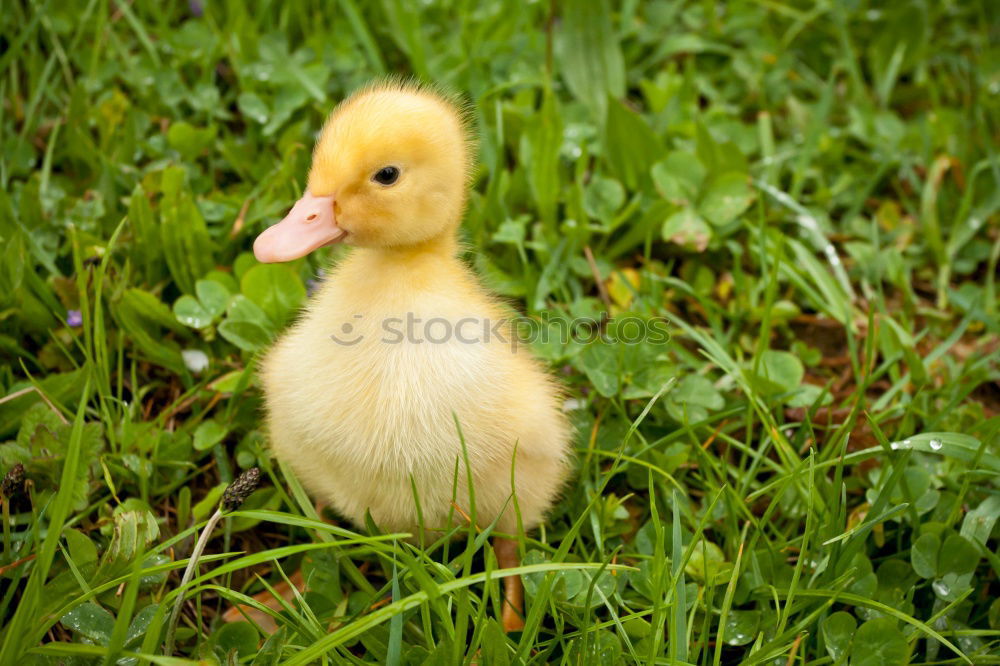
[
  {"x": 91, "y": 621},
  {"x": 741, "y": 627},
  {"x": 212, "y": 296},
  {"x": 238, "y": 637},
  {"x": 189, "y": 140},
  {"x": 253, "y": 107},
  {"x": 275, "y": 288},
  {"x": 140, "y": 624},
  {"x": 600, "y": 362},
  {"x": 687, "y": 229},
  {"x": 838, "y": 630},
  {"x": 601, "y": 647},
  {"x": 779, "y": 372},
  {"x": 81, "y": 549},
  {"x": 190, "y": 312},
  {"x": 208, "y": 434},
  {"x": 678, "y": 177},
  {"x": 246, "y": 335},
  {"x": 602, "y": 198},
  {"x": 879, "y": 642},
  {"x": 697, "y": 390},
  {"x": 924, "y": 555},
  {"x": 726, "y": 197},
  {"x": 957, "y": 556},
  {"x": 978, "y": 523},
  {"x": 708, "y": 564}
]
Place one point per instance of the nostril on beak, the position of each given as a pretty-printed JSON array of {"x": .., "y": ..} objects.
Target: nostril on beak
[{"x": 311, "y": 217}]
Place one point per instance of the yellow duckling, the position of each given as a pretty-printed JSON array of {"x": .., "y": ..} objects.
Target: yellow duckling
[{"x": 401, "y": 342}]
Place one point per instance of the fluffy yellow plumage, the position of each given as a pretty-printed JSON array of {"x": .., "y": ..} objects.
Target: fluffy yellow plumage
[{"x": 364, "y": 418}]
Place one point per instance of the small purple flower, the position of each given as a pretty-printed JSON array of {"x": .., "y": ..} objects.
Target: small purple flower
[
  {"x": 74, "y": 318},
  {"x": 196, "y": 8}
]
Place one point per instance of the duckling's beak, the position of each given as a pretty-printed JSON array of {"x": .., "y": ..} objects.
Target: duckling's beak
[{"x": 309, "y": 225}]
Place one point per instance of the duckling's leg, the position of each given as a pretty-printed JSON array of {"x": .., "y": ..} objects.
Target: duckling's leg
[
  {"x": 239, "y": 612},
  {"x": 284, "y": 590},
  {"x": 513, "y": 589}
]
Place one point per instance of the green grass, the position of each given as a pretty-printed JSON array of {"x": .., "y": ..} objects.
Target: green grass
[{"x": 807, "y": 472}]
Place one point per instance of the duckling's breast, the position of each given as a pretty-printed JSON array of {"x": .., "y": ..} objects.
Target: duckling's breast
[{"x": 369, "y": 403}]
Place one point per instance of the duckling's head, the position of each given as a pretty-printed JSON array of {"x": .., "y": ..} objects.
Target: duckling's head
[{"x": 390, "y": 169}]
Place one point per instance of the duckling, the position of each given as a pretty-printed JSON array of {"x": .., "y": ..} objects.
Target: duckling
[{"x": 401, "y": 367}]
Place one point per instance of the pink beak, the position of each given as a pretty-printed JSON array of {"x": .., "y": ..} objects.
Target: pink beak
[{"x": 309, "y": 225}]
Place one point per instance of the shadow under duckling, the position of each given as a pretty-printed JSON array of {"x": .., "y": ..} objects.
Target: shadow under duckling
[{"x": 401, "y": 354}]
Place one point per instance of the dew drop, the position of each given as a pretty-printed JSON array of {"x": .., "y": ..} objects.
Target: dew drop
[
  {"x": 935, "y": 444},
  {"x": 941, "y": 588}
]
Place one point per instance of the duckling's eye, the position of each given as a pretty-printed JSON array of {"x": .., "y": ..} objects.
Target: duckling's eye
[{"x": 386, "y": 175}]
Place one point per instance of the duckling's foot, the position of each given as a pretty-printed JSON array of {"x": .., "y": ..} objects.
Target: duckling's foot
[
  {"x": 286, "y": 593},
  {"x": 512, "y": 614}
]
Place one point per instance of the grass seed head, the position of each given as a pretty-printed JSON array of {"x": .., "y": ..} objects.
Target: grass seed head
[
  {"x": 12, "y": 487},
  {"x": 240, "y": 489}
]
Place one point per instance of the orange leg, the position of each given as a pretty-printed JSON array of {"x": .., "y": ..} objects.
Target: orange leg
[
  {"x": 512, "y": 615},
  {"x": 284, "y": 590}
]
